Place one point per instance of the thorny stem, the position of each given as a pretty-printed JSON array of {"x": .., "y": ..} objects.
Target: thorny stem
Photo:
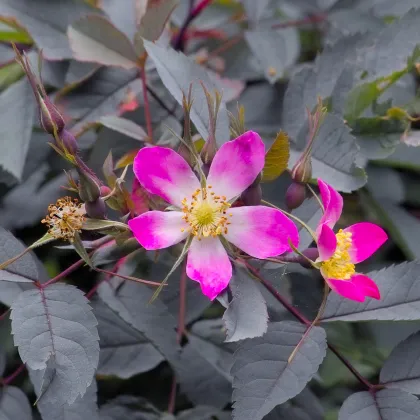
[
  {"x": 9, "y": 379},
  {"x": 178, "y": 42},
  {"x": 181, "y": 329},
  {"x": 296, "y": 313},
  {"x": 147, "y": 114}
]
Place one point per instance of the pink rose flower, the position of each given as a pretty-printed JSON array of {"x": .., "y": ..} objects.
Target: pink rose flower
[
  {"x": 338, "y": 253},
  {"x": 206, "y": 213}
]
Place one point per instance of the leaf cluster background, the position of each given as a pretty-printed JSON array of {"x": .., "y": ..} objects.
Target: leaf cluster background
[{"x": 92, "y": 346}]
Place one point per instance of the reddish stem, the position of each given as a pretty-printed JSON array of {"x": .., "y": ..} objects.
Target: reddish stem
[
  {"x": 9, "y": 379},
  {"x": 305, "y": 321},
  {"x": 178, "y": 41},
  {"x": 63, "y": 274},
  {"x": 300, "y": 22},
  {"x": 199, "y": 8},
  {"x": 73, "y": 267},
  {"x": 109, "y": 274},
  {"x": 182, "y": 304},
  {"x": 95, "y": 288},
  {"x": 276, "y": 294},
  {"x": 180, "y": 331},
  {"x": 4, "y": 314},
  {"x": 147, "y": 114},
  {"x": 172, "y": 397},
  {"x": 351, "y": 368}
]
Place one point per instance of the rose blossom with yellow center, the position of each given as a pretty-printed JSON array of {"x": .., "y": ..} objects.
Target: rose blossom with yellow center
[{"x": 206, "y": 213}]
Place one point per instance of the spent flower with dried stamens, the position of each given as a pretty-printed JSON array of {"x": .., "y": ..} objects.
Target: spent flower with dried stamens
[{"x": 65, "y": 218}]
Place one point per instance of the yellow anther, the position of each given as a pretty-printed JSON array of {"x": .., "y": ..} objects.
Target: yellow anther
[
  {"x": 204, "y": 213},
  {"x": 339, "y": 266}
]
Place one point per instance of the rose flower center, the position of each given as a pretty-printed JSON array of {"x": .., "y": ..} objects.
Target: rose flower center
[
  {"x": 206, "y": 213},
  {"x": 339, "y": 266}
]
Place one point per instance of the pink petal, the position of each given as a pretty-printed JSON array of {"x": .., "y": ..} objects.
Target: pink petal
[
  {"x": 366, "y": 284},
  {"x": 347, "y": 289},
  {"x": 261, "y": 231},
  {"x": 158, "y": 229},
  {"x": 208, "y": 263},
  {"x": 327, "y": 243},
  {"x": 236, "y": 165},
  {"x": 333, "y": 204},
  {"x": 164, "y": 172},
  {"x": 366, "y": 239}
]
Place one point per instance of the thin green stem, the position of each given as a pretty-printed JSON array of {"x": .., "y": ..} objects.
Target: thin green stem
[
  {"x": 316, "y": 197},
  {"x": 312, "y": 263},
  {"x": 314, "y": 322}
]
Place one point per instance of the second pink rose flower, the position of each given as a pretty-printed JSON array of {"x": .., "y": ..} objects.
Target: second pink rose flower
[{"x": 340, "y": 252}]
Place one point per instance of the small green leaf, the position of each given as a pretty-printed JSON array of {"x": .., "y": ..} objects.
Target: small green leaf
[
  {"x": 80, "y": 249},
  {"x": 364, "y": 95},
  {"x": 104, "y": 226},
  {"x": 277, "y": 158},
  {"x": 42, "y": 241}
]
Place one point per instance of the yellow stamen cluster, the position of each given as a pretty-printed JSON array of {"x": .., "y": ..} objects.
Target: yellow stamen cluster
[
  {"x": 339, "y": 266},
  {"x": 206, "y": 213},
  {"x": 65, "y": 218}
]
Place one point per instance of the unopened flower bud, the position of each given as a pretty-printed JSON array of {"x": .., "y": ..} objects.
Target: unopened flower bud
[
  {"x": 252, "y": 196},
  {"x": 312, "y": 254},
  {"x": 209, "y": 151},
  {"x": 89, "y": 184},
  {"x": 257, "y": 180},
  {"x": 302, "y": 171},
  {"x": 50, "y": 118},
  {"x": 105, "y": 190},
  {"x": 96, "y": 209},
  {"x": 68, "y": 141},
  {"x": 295, "y": 195},
  {"x": 206, "y": 168}
]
